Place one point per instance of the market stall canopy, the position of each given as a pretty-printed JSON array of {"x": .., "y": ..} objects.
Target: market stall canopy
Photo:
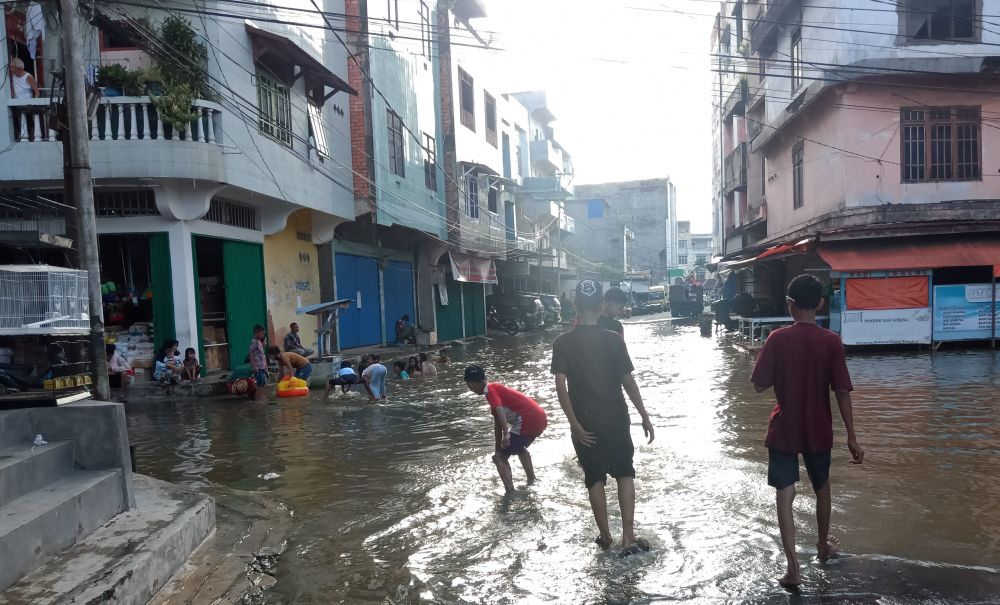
[
  {"x": 772, "y": 253},
  {"x": 472, "y": 269},
  {"x": 889, "y": 255}
]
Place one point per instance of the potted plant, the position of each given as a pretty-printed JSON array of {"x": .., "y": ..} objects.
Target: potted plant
[
  {"x": 111, "y": 79},
  {"x": 152, "y": 81},
  {"x": 181, "y": 73}
]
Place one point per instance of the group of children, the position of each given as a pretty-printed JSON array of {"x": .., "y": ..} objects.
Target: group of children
[
  {"x": 592, "y": 368},
  {"x": 373, "y": 373}
]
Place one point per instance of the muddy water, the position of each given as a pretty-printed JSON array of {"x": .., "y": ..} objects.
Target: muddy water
[{"x": 399, "y": 502}]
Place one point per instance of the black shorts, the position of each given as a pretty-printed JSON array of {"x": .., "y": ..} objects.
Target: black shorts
[
  {"x": 343, "y": 380},
  {"x": 783, "y": 469},
  {"x": 611, "y": 455},
  {"x": 518, "y": 444}
]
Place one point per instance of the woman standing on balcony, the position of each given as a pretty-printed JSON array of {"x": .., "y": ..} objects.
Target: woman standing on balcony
[{"x": 23, "y": 84}]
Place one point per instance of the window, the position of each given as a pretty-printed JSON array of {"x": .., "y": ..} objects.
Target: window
[
  {"x": 392, "y": 13},
  {"x": 472, "y": 196},
  {"x": 763, "y": 176},
  {"x": 517, "y": 156},
  {"x": 491, "y": 200},
  {"x": 317, "y": 134},
  {"x": 940, "y": 144},
  {"x": 275, "y": 109},
  {"x": 939, "y": 20},
  {"x": 595, "y": 209},
  {"x": 490, "y": 108},
  {"x": 397, "y": 147},
  {"x": 682, "y": 259},
  {"x": 700, "y": 259},
  {"x": 683, "y": 244},
  {"x": 123, "y": 203},
  {"x": 430, "y": 162},
  {"x": 230, "y": 212},
  {"x": 467, "y": 99},
  {"x": 425, "y": 29},
  {"x": 797, "y": 192},
  {"x": 114, "y": 40},
  {"x": 796, "y": 59}
]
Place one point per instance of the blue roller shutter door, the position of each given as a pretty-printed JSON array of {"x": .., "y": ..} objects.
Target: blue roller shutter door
[
  {"x": 361, "y": 324},
  {"x": 397, "y": 281}
]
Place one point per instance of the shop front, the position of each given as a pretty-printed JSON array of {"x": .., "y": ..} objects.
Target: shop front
[{"x": 461, "y": 295}]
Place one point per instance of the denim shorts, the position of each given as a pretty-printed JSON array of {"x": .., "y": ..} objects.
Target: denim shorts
[
  {"x": 304, "y": 372},
  {"x": 260, "y": 377},
  {"x": 783, "y": 469}
]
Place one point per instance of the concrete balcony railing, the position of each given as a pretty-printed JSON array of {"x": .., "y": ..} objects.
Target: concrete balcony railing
[
  {"x": 117, "y": 119},
  {"x": 734, "y": 172},
  {"x": 546, "y": 156},
  {"x": 567, "y": 224},
  {"x": 736, "y": 102}
]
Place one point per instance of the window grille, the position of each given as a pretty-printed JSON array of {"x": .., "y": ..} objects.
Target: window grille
[
  {"x": 397, "y": 146},
  {"x": 137, "y": 202},
  {"x": 316, "y": 130},
  {"x": 233, "y": 214},
  {"x": 940, "y": 144},
  {"x": 472, "y": 197},
  {"x": 275, "y": 104}
]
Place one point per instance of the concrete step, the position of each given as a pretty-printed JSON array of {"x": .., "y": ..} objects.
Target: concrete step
[
  {"x": 130, "y": 558},
  {"x": 42, "y": 523},
  {"x": 25, "y": 468}
]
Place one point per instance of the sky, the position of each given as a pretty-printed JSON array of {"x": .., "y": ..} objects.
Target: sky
[{"x": 631, "y": 88}]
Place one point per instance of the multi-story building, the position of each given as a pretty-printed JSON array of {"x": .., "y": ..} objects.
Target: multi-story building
[
  {"x": 694, "y": 250},
  {"x": 628, "y": 226},
  {"x": 868, "y": 146},
  {"x": 210, "y": 209}
]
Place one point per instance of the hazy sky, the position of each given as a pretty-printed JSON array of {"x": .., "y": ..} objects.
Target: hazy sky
[{"x": 631, "y": 88}]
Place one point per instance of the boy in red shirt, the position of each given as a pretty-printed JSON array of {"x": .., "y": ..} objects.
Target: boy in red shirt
[
  {"x": 519, "y": 421},
  {"x": 803, "y": 363}
]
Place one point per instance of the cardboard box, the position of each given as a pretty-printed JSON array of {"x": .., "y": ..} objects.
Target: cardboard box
[{"x": 216, "y": 358}]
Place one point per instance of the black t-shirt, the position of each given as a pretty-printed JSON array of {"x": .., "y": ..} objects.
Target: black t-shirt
[
  {"x": 594, "y": 361},
  {"x": 610, "y": 323}
]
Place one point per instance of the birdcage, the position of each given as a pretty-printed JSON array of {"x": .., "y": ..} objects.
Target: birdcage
[{"x": 42, "y": 299}]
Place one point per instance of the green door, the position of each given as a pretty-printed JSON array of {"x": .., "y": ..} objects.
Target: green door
[
  {"x": 449, "y": 317},
  {"x": 243, "y": 272},
  {"x": 475, "y": 309},
  {"x": 161, "y": 282}
]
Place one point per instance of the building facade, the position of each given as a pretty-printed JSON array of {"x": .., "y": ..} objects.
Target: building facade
[
  {"x": 867, "y": 148},
  {"x": 628, "y": 226},
  {"x": 695, "y": 251}
]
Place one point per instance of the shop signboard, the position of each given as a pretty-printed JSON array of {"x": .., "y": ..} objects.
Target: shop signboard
[
  {"x": 962, "y": 312},
  {"x": 886, "y": 326}
]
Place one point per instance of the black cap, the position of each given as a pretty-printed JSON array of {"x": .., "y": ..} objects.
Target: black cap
[
  {"x": 475, "y": 373},
  {"x": 589, "y": 295}
]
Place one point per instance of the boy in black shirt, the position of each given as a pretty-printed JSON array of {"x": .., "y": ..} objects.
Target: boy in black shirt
[
  {"x": 591, "y": 365},
  {"x": 615, "y": 300}
]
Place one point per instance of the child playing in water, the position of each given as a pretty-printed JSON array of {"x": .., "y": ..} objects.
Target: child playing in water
[
  {"x": 427, "y": 368},
  {"x": 443, "y": 356},
  {"x": 346, "y": 377},
  {"x": 520, "y": 421},
  {"x": 400, "y": 369},
  {"x": 413, "y": 366},
  {"x": 192, "y": 369},
  {"x": 803, "y": 363}
]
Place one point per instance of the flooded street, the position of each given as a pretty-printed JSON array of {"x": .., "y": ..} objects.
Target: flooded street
[{"x": 400, "y": 502}]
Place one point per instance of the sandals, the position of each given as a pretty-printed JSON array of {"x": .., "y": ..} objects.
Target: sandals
[{"x": 636, "y": 548}]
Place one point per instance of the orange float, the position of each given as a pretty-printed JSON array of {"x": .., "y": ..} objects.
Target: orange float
[{"x": 291, "y": 386}]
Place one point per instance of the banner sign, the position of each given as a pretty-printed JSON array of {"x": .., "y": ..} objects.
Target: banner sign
[
  {"x": 472, "y": 269},
  {"x": 962, "y": 312},
  {"x": 886, "y": 327}
]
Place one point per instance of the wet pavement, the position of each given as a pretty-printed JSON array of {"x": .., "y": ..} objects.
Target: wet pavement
[{"x": 399, "y": 503}]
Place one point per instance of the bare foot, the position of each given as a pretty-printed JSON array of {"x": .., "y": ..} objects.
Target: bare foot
[
  {"x": 790, "y": 580},
  {"x": 530, "y": 481},
  {"x": 604, "y": 542},
  {"x": 828, "y": 551}
]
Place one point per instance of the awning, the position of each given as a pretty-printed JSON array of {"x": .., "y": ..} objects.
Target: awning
[
  {"x": 893, "y": 254},
  {"x": 286, "y": 52},
  {"x": 772, "y": 253},
  {"x": 472, "y": 269}
]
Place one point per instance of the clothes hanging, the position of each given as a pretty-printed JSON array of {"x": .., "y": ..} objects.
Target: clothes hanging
[{"x": 34, "y": 27}]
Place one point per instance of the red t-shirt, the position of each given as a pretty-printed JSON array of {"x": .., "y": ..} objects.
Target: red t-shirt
[
  {"x": 523, "y": 413},
  {"x": 803, "y": 363}
]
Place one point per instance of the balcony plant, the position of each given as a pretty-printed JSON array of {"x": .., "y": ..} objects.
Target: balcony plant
[
  {"x": 112, "y": 79},
  {"x": 181, "y": 71}
]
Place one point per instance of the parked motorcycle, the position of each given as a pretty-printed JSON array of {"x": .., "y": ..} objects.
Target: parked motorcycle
[{"x": 494, "y": 322}]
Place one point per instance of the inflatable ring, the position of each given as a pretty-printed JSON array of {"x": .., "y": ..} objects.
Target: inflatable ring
[{"x": 291, "y": 386}]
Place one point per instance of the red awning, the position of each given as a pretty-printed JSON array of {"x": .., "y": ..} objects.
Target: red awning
[
  {"x": 472, "y": 269},
  {"x": 893, "y": 255},
  {"x": 772, "y": 253}
]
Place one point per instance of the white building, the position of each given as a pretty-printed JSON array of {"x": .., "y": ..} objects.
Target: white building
[
  {"x": 694, "y": 250},
  {"x": 205, "y": 222}
]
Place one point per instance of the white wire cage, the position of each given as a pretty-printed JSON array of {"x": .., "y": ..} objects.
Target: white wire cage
[{"x": 42, "y": 299}]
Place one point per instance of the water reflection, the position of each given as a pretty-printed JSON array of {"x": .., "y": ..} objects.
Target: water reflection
[{"x": 401, "y": 501}]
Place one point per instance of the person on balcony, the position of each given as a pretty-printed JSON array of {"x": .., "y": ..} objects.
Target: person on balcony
[
  {"x": 293, "y": 344},
  {"x": 23, "y": 85}
]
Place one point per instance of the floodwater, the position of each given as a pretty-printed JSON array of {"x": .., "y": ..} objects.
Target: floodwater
[{"x": 399, "y": 503}]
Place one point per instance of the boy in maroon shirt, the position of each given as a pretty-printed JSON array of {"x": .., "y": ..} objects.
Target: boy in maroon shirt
[{"x": 803, "y": 363}]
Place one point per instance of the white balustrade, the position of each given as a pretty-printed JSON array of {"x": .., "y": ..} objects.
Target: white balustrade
[{"x": 31, "y": 123}]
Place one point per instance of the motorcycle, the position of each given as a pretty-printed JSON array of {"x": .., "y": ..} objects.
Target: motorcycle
[{"x": 494, "y": 322}]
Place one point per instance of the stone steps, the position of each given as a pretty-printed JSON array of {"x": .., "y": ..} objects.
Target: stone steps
[
  {"x": 43, "y": 522},
  {"x": 25, "y": 468}
]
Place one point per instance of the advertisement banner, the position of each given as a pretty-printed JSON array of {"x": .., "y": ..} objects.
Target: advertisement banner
[
  {"x": 473, "y": 269},
  {"x": 962, "y": 312},
  {"x": 886, "y": 327}
]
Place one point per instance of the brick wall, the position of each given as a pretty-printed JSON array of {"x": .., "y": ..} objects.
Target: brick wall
[{"x": 359, "y": 149}]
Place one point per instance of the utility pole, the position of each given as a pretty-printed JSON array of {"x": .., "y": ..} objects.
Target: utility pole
[{"x": 77, "y": 138}]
